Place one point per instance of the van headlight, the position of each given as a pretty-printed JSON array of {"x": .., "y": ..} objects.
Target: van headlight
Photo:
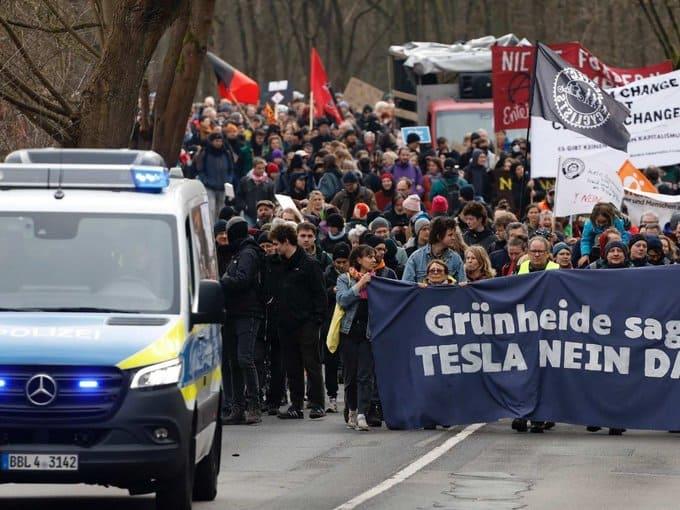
[{"x": 161, "y": 374}]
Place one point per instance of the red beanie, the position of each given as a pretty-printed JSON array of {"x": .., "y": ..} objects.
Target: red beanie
[
  {"x": 440, "y": 205},
  {"x": 361, "y": 211},
  {"x": 272, "y": 168},
  {"x": 386, "y": 175}
]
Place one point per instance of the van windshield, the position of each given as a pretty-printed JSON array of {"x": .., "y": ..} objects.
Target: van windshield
[
  {"x": 453, "y": 124},
  {"x": 86, "y": 262}
]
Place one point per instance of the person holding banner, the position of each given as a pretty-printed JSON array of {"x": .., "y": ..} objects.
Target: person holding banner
[
  {"x": 437, "y": 275},
  {"x": 638, "y": 250},
  {"x": 357, "y": 358},
  {"x": 602, "y": 217},
  {"x": 477, "y": 264}
]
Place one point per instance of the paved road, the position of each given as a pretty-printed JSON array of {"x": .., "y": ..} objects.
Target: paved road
[{"x": 321, "y": 465}]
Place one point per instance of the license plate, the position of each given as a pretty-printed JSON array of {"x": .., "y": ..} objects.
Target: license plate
[{"x": 32, "y": 462}]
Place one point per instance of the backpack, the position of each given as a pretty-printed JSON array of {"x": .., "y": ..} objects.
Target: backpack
[{"x": 453, "y": 195}]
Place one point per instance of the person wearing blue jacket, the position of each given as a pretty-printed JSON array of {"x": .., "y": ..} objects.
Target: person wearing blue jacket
[
  {"x": 442, "y": 240},
  {"x": 602, "y": 217},
  {"x": 357, "y": 355}
]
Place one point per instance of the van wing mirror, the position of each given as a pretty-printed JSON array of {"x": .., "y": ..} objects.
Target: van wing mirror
[{"x": 210, "y": 304}]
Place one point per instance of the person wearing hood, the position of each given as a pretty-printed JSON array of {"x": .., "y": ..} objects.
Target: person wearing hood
[
  {"x": 449, "y": 185},
  {"x": 404, "y": 168},
  {"x": 353, "y": 194},
  {"x": 245, "y": 311},
  {"x": 655, "y": 254},
  {"x": 638, "y": 250},
  {"x": 253, "y": 188},
  {"x": 476, "y": 173},
  {"x": 222, "y": 245},
  {"x": 214, "y": 167},
  {"x": 479, "y": 232},
  {"x": 330, "y": 183}
]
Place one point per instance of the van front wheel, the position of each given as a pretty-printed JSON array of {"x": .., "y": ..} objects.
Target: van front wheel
[
  {"x": 208, "y": 470},
  {"x": 176, "y": 493}
]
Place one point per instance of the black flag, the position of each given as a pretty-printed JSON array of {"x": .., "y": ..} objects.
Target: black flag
[{"x": 563, "y": 94}]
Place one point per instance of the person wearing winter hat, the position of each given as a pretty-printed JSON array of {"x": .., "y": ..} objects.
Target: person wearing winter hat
[
  {"x": 380, "y": 227},
  {"x": 336, "y": 233},
  {"x": 421, "y": 236},
  {"x": 615, "y": 255},
  {"x": 467, "y": 194},
  {"x": 265, "y": 212},
  {"x": 352, "y": 194},
  {"x": 440, "y": 206},
  {"x": 561, "y": 254},
  {"x": 361, "y": 211},
  {"x": 244, "y": 315},
  {"x": 655, "y": 254},
  {"x": 265, "y": 243},
  {"x": 638, "y": 250}
]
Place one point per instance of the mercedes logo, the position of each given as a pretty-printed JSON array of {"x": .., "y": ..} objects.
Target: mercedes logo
[{"x": 41, "y": 390}]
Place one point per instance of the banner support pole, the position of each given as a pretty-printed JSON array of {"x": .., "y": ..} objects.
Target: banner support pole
[
  {"x": 531, "y": 99},
  {"x": 311, "y": 110}
]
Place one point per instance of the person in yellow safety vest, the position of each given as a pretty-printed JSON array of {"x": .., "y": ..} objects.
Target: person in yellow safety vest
[
  {"x": 539, "y": 257},
  {"x": 539, "y": 260}
]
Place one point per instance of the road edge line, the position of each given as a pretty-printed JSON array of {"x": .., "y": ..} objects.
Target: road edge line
[{"x": 411, "y": 469}]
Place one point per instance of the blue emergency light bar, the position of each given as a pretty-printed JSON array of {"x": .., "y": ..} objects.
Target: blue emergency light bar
[
  {"x": 152, "y": 179},
  {"x": 88, "y": 384},
  {"x": 3, "y": 383}
]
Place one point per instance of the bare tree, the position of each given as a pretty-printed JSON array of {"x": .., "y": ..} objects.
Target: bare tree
[
  {"x": 96, "y": 106},
  {"x": 179, "y": 78},
  {"x": 662, "y": 16}
]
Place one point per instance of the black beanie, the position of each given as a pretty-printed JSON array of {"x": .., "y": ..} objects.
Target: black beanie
[
  {"x": 616, "y": 244},
  {"x": 341, "y": 251},
  {"x": 336, "y": 221},
  {"x": 220, "y": 226},
  {"x": 237, "y": 229},
  {"x": 635, "y": 238},
  {"x": 373, "y": 240}
]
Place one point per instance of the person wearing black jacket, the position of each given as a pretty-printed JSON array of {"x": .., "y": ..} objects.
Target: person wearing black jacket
[
  {"x": 331, "y": 360},
  {"x": 300, "y": 311},
  {"x": 478, "y": 231},
  {"x": 244, "y": 314}
]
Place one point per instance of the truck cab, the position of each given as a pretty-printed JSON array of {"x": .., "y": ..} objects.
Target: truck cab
[{"x": 110, "y": 347}]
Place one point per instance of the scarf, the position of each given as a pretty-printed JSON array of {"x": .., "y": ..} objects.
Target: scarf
[
  {"x": 356, "y": 275},
  {"x": 258, "y": 179}
]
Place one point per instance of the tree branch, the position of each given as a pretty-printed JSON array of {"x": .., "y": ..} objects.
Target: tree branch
[
  {"x": 52, "y": 30},
  {"x": 664, "y": 44},
  {"x": 97, "y": 7},
  {"x": 674, "y": 22},
  {"x": 34, "y": 69},
  {"x": 27, "y": 108},
  {"x": 70, "y": 30},
  {"x": 29, "y": 92}
]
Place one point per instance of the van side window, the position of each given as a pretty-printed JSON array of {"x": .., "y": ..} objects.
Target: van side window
[
  {"x": 190, "y": 261},
  {"x": 203, "y": 242}
]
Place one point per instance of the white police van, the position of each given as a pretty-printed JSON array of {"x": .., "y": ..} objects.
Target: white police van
[{"x": 110, "y": 352}]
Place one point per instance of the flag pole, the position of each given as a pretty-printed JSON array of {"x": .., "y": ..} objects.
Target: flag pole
[
  {"x": 311, "y": 110},
  {"x": 532, "y": 85},
  {"x": 240, "y": 109}
]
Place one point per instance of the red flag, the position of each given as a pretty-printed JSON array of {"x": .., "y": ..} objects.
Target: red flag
[
  {"x": 233, "y": 84},
  {"x": 324, "y": 105}
]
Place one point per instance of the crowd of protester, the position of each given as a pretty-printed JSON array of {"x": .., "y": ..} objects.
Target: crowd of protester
[{"x": 362, "y": 202}]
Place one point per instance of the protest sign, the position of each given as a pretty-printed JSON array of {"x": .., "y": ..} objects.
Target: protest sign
[
  {"x": 511, "y": 75},
  {"x": 279, "y": 92},
  {"x": 582, "y": 183},
  {"x": 359, "y": 93},
  {"x": 563, "y": 346},
  {"x": 423, "y": 133},
  {"x": 654, "y": 126},
  {"x": 639, "y": 202},
  {"x": 286, "y": 202}
]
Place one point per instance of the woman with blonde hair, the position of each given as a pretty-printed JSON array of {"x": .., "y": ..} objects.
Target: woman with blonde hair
[
  {"x": 316, "y": 205},
  {"x": 437, "y": 275},
  {"x": 477, "y": 264},
  {"x": 459, "y": 246}
]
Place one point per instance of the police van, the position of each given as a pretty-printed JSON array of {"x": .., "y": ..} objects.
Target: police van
[{"x": 110, "y": 352}]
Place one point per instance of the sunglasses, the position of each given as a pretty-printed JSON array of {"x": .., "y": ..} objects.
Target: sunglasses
[{"x": 435, "y": 270}]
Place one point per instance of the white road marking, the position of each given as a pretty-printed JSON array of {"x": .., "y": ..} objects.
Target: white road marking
[{"x": 411, "y": 469}]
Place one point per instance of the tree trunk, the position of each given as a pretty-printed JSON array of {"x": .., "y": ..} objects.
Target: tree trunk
[
  {"x": 107, "y": 111},
  {"x": 170, "y": 117}
]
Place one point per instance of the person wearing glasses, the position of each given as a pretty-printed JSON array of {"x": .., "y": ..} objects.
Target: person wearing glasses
[
  {"x": 539, "y": 257},
  {"x": 437, "y": 275}
]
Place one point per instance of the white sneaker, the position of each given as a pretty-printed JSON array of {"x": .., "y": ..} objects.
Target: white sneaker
[
  {"x": 352, "y": 421},
  {"x": 332, "y": 405},
  {"x": 361, "y": 423}
]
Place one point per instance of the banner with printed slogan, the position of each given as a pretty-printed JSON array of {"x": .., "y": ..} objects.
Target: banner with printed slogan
[{"x": 564, "y": 346}]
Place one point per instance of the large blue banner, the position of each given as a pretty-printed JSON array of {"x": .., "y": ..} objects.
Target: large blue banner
[{"x": 585, "y": 347}]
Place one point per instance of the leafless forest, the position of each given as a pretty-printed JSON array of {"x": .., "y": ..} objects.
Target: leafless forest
[{"x": 75, "y": 68}]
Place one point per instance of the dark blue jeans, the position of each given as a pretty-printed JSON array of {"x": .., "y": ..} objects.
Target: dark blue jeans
[{"x": 239, "y": 344}]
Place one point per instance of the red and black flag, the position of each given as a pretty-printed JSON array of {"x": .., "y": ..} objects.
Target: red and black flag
[
  {"x": 233, "y": 84},
  {"x": 324, "y": 103},
  {"x": 564, "y": 95}
]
